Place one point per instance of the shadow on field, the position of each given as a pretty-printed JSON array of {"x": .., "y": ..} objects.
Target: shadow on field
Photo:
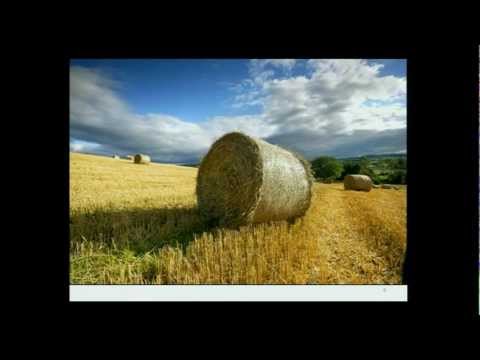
[{"x": 138, "y": 230}]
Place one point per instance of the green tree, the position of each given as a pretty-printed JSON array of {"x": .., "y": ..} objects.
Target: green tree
[
  {"x": 401, "y": 164},
  {"x": 327, "y": 167},
  {"x": 398, "y": 177},
  {"x": 389, "y": 163},
  {"x": 350, "y": 168},
  {"x": 366, "y": 168}
]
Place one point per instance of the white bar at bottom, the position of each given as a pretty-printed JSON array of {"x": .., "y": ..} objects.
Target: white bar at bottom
[{"x": 238, "y": 293}]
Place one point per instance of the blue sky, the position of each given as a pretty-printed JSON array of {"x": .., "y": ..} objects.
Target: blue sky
[
  {"x": 276, "y": 99},
  {"x": 396, "y": 67},
  {"x": 189, "y": 89}
]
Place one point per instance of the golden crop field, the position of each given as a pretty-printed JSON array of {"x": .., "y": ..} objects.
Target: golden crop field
[{"x": 138, "y": 224}]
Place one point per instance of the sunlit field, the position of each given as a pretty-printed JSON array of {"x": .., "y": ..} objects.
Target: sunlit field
[{"x": 139, "y": 224}]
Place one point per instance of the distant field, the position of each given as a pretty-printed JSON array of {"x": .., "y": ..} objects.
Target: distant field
[{"x": 138, "y": 224}]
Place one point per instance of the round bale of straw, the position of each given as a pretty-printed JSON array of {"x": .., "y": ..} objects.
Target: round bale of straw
[
  {"x": 244, "y": 180},
  {"x": 357, "y": 182},
  {"x": 141, "y": 159},
  {"x": 116, "y": 156}
]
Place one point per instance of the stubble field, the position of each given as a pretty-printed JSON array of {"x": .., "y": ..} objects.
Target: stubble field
[{"x": 138, "y": 224}]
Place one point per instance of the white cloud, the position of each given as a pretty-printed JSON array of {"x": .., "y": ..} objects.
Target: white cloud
[
  {"x": 99, "y": 116},
  {"x": 340, "y": 107},
  {"x": 333, "y": 101},
  {"x": 262, "y": 70},
  {"x": 285, "y": 64},
  {"x": 253, "y": 125},
  {"x": 83, "y": 146}
]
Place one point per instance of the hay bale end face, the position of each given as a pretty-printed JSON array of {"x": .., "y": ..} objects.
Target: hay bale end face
[
  {"x": 357, "y": 182},
  {"x": 243, "y": 180},
  {"x": 142, "y": 159}
]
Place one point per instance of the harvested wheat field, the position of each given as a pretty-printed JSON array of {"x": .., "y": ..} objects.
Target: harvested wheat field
[{"x": 133, "y": 224}]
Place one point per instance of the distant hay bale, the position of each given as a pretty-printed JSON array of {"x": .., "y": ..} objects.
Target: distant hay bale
[
  {"x": 142, "y": 159},
  {"x": 116, "y": 156},
  {"x": 388, "y": 186},
  {"x": 243, "y": 180},
  {"x": 357, "y": 182}
]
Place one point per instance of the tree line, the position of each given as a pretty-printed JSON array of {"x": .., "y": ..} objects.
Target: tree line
[{"x": 380, "y": 170}]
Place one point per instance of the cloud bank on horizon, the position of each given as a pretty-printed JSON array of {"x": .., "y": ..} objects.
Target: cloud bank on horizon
[{"x": 341, "y": 107}]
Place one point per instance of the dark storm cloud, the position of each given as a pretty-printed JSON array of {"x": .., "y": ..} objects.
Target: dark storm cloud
[{"x": 359, "y": 142}]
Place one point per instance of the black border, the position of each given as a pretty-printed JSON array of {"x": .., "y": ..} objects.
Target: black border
[{"x": 443, "y": 208}]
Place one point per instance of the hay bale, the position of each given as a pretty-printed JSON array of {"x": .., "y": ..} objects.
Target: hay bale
[
  {"x": 243, "y": 180},
  {"x": 388, "y": 186},
  {"x": 357, "y": 182},
  {"x": 142, "y": 159},
  {"x": 116, "y": 156}
]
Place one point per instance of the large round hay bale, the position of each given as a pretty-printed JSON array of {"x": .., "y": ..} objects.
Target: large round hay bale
[
  {"x": 357, "y": 182},
  {"x": 243, "y": 180},
  {"x": 116, "y": 156},
  {"x": 142, "y": 159}
]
